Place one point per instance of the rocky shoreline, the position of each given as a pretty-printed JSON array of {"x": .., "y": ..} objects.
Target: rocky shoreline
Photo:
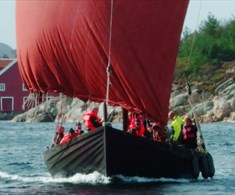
[{"x": 209, "y": 106}]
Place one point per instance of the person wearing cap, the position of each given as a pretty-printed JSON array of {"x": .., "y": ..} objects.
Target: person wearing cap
[
  {"x": 78, "y": 129},
  {"x": 59, "y": 134},
  {"x": 177, "y": 123}
]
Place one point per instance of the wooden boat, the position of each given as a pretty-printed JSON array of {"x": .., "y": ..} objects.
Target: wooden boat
[
  {"x": 114, "y": 152},
  {"x": 120, "y": 53}
]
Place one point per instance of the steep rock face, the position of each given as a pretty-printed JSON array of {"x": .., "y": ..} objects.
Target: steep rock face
[{"x": 208, "y": 107}]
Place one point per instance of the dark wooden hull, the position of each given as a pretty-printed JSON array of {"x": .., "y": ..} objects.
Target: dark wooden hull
[{"x": 114, "y": 152}]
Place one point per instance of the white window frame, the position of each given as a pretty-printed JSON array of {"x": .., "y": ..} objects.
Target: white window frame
[
  {"x": 7, "y": 97},
  {"x": 2, "y": 87}
]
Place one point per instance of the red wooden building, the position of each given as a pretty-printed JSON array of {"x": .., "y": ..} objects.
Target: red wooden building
[{"x": 12, "y": 90}]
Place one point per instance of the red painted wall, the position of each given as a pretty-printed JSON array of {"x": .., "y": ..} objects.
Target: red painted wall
[{"x": 13, "y": 87}]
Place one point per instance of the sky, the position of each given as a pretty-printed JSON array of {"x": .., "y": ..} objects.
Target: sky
[{"x": 198, "y": 11}]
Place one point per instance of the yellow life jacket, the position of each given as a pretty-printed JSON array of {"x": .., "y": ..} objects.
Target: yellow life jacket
[{"x": 177, "y": 125}]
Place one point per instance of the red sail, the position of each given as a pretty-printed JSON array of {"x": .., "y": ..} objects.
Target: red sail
[{"x": 63, "y": 46}]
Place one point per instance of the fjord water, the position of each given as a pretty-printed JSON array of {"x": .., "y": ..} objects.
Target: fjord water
[{"x": 22, "y": 168}]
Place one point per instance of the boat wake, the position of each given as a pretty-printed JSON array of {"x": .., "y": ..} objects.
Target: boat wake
[{"x": 92, "y": 179}]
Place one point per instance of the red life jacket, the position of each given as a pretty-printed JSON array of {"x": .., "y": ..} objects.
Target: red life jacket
[
  {"x": 132, "y": 124},
  {"x": 138, "y": 131},
  {"x": 87, "y": 121},
  {"x": 188, "y": 133},
  {"x": 65, "y": 139},
  {"x": 141, "y": 131}
]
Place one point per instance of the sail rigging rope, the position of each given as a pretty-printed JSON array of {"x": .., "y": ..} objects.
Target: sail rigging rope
[
  {"x": 108, "y": 70},
  {"x": 201, "y": 144}
]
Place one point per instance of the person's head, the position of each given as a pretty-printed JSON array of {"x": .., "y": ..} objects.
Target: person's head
[
  {"x": 78, "y": 125},
  {"x": 187, "y": 120},
  {"x": 171, "y": 115},
  {"x": 60, "y": 129},
  {"x": 96, "y": 110},
  {"x": 156, "y": 127},
  {"x": 71, "y": 132}
]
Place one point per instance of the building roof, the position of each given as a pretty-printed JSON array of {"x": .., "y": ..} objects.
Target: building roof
[{"x": 5, "y": 64}]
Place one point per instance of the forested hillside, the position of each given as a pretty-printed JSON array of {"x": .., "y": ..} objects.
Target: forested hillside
[{"x": 208, "y": 52}]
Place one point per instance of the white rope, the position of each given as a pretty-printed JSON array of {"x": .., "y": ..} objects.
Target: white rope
[{"x": 108, "y": 70}]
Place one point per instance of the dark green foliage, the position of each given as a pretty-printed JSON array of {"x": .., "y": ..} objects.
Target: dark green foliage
[{"x": 213, "y": 44}]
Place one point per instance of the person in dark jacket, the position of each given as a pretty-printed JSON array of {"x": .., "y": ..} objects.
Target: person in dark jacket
[{"x": 189, "y": 134}]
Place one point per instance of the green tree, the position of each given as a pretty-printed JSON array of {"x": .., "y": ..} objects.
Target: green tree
[{"x": 212, "y": 44}]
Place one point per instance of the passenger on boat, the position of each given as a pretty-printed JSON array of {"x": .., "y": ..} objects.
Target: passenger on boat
[
  {"x": 177, "y": 123},
  {"x": 132, "y": 117},
  {"x": 91, "y": 120},
  {"x": 159, "y": 134},
  {"x": 59, "y": 134},
  {"x": 68, "y": 137},
  {"x": 137, "y": 128},
  {"x": 78, "y": 129},
  {"x": 148, "y": 129},
  {"x": 189, "y": 134}
]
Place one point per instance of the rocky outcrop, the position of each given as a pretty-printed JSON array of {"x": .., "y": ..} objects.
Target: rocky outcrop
[
  {"x": 69, "y": 110},
  {"x": 217, "y": 105},
  {"x": 210, "y": 106}
]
